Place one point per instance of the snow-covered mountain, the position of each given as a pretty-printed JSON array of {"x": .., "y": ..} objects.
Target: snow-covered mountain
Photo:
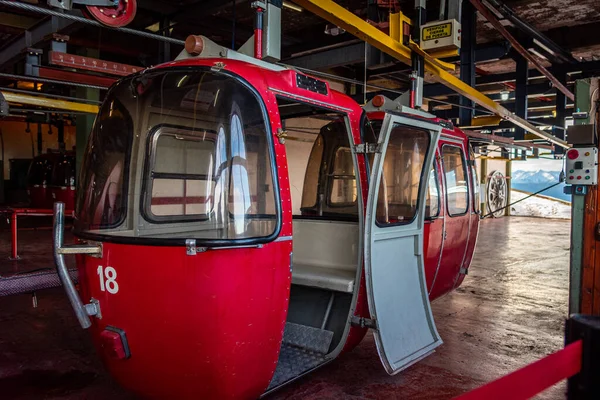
[{"x": 539, "y": 176}]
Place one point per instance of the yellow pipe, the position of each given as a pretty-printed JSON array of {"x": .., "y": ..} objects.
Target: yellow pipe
[
  {"x": 55, "y": 104},
  {"x": 353, "y": 24}
]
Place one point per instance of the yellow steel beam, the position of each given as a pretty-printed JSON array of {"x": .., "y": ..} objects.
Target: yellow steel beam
[
  {"x": 54, "y": 104},
  {"x": 334, "y": 13},
  {"x": 488, "y": 120},
  {"x": 443, "y": 53}
]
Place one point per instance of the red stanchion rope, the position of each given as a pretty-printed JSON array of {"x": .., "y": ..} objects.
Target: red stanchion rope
[{"x": 532, "y": 379}]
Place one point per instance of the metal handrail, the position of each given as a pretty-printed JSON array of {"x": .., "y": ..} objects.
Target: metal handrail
[{"x": 82, "y": 312}]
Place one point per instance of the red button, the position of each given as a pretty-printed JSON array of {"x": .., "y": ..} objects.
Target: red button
[
  {"x": 572, "y": 154},
  {"x": 571, "y": 177},
  {"x": 578, "y": 177}
]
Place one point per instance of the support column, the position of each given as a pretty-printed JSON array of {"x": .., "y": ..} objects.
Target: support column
[
  {"x": 583, "y": 221},
  {"x": 483, "y": 179},
  {"x": 418, "y": 63},
  {"x": 561, "y": 110},
  {"x": 508, "y": 171},
  {"x": 521, "y": 93},
  {"x": 165, "y": 47},
  {"x": 467, "y": 60}
]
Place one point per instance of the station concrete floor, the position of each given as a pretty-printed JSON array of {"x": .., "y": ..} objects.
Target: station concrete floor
[{"x": 510, "y": 311}]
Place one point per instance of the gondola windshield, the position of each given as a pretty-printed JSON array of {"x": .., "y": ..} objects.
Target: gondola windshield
[{"x": 179, "y": 154}]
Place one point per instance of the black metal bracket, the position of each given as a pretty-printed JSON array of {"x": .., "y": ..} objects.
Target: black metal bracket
[{"x": 586, "y": 384}]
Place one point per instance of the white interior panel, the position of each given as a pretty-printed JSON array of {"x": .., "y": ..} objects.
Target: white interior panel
[{"x": 325, "y": 254}]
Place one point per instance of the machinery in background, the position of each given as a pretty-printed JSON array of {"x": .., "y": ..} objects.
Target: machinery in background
[{"x": 112, "y": 13}]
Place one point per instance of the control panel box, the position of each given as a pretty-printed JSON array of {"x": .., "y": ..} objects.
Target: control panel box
[
  {"x": 581, "y": 166},
  {"x": 440, "y": 35}
]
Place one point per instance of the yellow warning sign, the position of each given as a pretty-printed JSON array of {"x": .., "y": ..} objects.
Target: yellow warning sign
[{"x": 437, "y": 31}]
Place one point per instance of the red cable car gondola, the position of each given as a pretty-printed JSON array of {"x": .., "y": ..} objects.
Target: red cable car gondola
[
  {"x": 244, "y": 224},
  {"x": 51, "y": 177}
]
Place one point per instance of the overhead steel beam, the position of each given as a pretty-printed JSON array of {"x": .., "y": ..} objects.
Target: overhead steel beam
[
  {"x": 336, "y": 14},
  {"x": 521, "y": 94},
  {"x": 532, "y": 32},
  {"x": 31, "y": 38},
  {"x": 91, "y": 64},
  {"x": 75, "y": 77},
  {"x": 539, "y": 89},
  {"x": 354, "y": 53},
  {"x": 54, "y": 104},
  {"x": 330, "y": 58},
  {"x": 519, "y": 48}
]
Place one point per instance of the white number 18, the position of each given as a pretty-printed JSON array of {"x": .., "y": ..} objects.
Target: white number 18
[{"x": 110, "y": 285}]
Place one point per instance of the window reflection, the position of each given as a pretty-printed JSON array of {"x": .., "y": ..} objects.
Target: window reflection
[
  {"x": 398, "y": 196},
  {"x": 456, "y": 181}
]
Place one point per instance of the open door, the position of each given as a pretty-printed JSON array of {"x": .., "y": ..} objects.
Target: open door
[{"x": 397, "y": 292}]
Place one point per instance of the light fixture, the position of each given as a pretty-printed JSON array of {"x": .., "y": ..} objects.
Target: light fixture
[
  {"x": 292, "y": 6},
  {"x": 504, "y": 95}
]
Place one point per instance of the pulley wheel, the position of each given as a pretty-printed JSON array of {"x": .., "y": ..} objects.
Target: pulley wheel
[
  {"x": 115, "y": 17},
  {"x": 496, "y": 194}
]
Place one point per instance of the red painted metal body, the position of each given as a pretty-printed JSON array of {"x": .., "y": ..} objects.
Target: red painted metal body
[{"x": 211, "y": 326}]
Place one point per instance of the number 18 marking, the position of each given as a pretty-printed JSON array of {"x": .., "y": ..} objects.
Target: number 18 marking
[{"x": 110, "y": 285}]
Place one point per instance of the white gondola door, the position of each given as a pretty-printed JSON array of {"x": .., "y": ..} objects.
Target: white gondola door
[{"x": 397, "y": 292}]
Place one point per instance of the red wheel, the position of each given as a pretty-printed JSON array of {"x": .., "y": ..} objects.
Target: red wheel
[{"x": 114, "y": 17}]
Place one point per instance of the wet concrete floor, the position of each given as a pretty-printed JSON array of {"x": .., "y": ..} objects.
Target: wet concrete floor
[{"x": 509, "y": 312}]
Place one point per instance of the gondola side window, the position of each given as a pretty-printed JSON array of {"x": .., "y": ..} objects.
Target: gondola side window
[
  {"x": 343, "y": 191},
  {"x": 432, "y": 201},
  {"x": 475, "y": 180},
  {"x": 402, "y": 175},
  {"x": 182, "y": 179},
  {"x": 455, "y": 173}
]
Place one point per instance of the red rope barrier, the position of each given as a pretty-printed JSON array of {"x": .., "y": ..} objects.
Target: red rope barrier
[{"x": 532, "y": 379}]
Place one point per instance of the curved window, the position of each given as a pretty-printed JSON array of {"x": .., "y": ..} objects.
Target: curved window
[
  {"x": 311, "y": 177},
  {"x": 455, "y": 172},
  {"x": 180, "y": 154},
  {"x": 475, "y": 179},
  {"x": 101, "y": 194},
  {"x": 402, "y": 175},
  {"x": 432, "y": 199},
  {"x": 343, "y": 190}
]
